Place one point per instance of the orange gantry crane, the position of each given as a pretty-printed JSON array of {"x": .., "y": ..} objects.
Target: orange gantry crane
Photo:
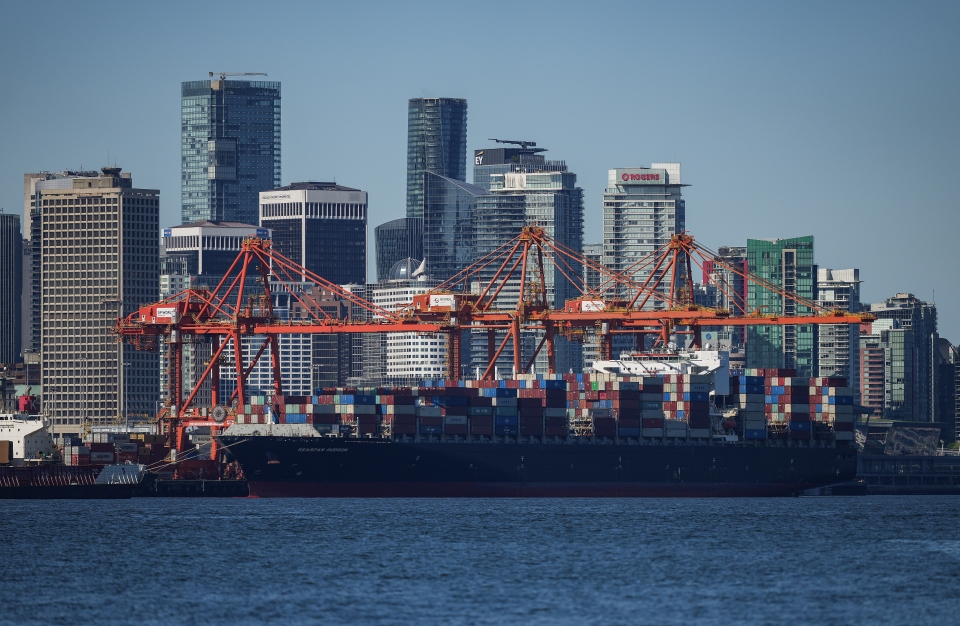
[{"x": 506, "y": 292}]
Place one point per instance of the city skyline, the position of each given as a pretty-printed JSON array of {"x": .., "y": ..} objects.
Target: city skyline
[{"x": 809, "y": 111}]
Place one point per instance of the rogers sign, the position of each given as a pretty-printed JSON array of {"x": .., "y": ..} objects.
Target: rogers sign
[{"x": 626, "y": 177}]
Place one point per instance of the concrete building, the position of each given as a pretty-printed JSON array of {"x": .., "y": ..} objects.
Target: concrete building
[
  {"x": 727, "y": 274},
  {"x": 11, "y": 288},
  {"x": 872, "y": 388},
  {"x": 787, "y": 264},
  {"x": 100, "y": 261},
  {"x": 838, "y": 344},
  {"x": 397, "y": 240},
  {"x": 436, "y": 142},
  {"x": 229, "y": 148},
  {"x": 321, "y": 226}
]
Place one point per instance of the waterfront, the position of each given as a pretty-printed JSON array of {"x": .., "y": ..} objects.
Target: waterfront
[{"x": 879, "y": 560}]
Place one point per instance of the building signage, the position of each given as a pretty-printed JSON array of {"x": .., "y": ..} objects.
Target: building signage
[
  {"x": 592, "y": 306},
  {"x": 168, "y": 232},
  {"x": 263, "y": 233},
  {"x": 167, "y": 312},
  {"x": 442, "y": 300},
  {"x": 478, "y": 157},
  {"x": 641, "y": 177},
  {"x": 276, "y": 196}
]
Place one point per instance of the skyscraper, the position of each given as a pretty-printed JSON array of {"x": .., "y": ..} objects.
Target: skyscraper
[
  {"x": 11, "y": 287},
  {"x": 642, "y": 209},
  {"x": 397, "y": 240},
  {"x": 100, "y": 261},
  {"x": 436, "y": 142},
  {"x": 838, "y": 344},
  {"x": 448, "y": 210},
  {"x": 321, "y": 226},
  {"x": 909, "y": 345},
  {"x": 526, "y": 158},
  {"x": 787, "y": 264},
  {"x": 229, "y": 149}
]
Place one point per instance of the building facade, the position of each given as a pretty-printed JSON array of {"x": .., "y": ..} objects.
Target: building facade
[
  {"x": 11, "y": 288},
  {"x": 321, "y": 226},
  {"x": 788, "y": 265},
  {"x": 490, "y": 161},
  {"x": 99, "y": 261},
  {"x": 397, "y": 240},
  {"x": 230, "y": 148},
  {"x": 642, "y": 209},
  {"x": 913, "y": 339},
  {"x": 448, "y": 240},
  {"x": 838, "y": 344},
  {"x": 436, "y": 142}
]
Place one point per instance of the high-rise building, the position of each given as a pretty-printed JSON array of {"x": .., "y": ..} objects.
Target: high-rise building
[
  {"x": 838, "y": 344},
  {"x": 397, "y": 240},
  {"x": 100, "y": 260},
  {"x": 910, "y": 356},
  {"x": 490, "y": 161},
  {"x": 727, "y": 274},
  {"x": 552, "y": 201},
  {"x": 321, "y": 226},
  {"x": 642, "y": 209},
  {"x": 198, "y": 255},
  {"x": 229, "y": 148},
  {"x": 788, "y": 265},
  {"x": 448, "y": 241},
  {"x": 872, "y": 387},
  {"x": 11, "y": 287},
  {"x": 32, "y": 183},
  {"x": 436, "y": 142}
]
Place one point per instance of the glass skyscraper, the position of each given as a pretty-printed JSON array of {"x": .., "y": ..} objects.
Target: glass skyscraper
[
  {"x": 397, "y": 240},
  {"x": 448, "y": 225},
  {"x": 436, "y": 142},
  {"x": 230, "y": 148},
  {"x": 788, "y": 264}
]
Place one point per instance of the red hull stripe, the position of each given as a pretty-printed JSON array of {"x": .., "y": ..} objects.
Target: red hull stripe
[{"x": 529, "y": 490}]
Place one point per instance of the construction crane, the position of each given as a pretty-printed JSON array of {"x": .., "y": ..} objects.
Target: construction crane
[
  {"x": 523, "y": 144},
  {"x": 230, "y": 316},
  {"x": 223, "y": 75}
]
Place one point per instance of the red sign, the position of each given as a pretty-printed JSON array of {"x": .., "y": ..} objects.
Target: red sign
[{"x": 640, "y": 177}]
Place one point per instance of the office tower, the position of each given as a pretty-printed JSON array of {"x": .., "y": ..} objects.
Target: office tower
[
  {"x": 838, "y": 344},
  {"x": 436, "y": 142},
  {"x": 197, "y": 256},
  {"x": 448, "y": 207},
  {"x": 642, "y": 209},
  {"x": 229, "y": 148},
  {"x": 910, "y": 356},
  {"x": 321, "y": 226},
  {"x": 552, "y": 201},
  {"x": 944, "y": 389},
  {"x": 526, "y": 158},
  {"x": 32, "y": 182},
  {"x": 100, "y": 261},
  {"x": 397, "y": 240},
  {"x": 788, "y": 265},
  {"x": 11, "y": 287},
  {"x": 409, "y": 357},
  {"x": 592, "y": 279}
]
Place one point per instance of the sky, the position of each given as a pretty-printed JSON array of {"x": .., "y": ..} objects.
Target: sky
[{"x": 832, "y": 119}]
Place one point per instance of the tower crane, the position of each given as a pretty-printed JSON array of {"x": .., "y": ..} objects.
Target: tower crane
[{"x": 523, "y": 144}]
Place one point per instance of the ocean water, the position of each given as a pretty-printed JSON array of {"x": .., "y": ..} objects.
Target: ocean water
[{"x": 857, "y": 560}]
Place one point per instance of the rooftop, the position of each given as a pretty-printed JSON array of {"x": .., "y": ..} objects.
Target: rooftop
[{"x": 315, "y": 186}]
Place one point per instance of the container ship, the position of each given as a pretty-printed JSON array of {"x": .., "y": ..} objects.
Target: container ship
[{"x": 604, "y": 434}]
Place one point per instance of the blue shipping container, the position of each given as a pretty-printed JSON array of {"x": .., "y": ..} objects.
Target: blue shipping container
[
  {"x": 506, "y": 420},
  {"x": 753, "y": 389},
  {"x": 629, "y": 432},
  {"x": 800, "y": 425},
  {"x": 698, "y": 396},
  {"x": 505, "y": 430},
  {"x": 841, "y": 400},
  {"x": 755, "y": 434},
  {"x": 431, "y": 430}
]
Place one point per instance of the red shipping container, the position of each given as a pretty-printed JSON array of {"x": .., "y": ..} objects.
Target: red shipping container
[
  {"x": 629, "y": 422},
  {"x": 123, "y": 457},
  {"x": 455, "y": 429},
  {"x": 557, "y": 431},
  {"x": 404, "y": 429},
  {"x": 652, "y": 422}
]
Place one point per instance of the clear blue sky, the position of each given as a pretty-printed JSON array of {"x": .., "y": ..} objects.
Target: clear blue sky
[{"x": 832, "y": 119}]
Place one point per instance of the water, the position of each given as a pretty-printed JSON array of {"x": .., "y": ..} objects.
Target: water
[{"x": 876, "y": 560}]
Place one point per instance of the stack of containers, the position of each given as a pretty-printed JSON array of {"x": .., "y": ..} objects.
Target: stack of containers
[
  {"x": 787, "y": 401},
  {"x": 256, "y": 412},
  {"x": 108, "y": 448},
  {"x": 686, "y": 397},
  {"x": 605, "y": 405},
  {"x": 752, "y": 407}
]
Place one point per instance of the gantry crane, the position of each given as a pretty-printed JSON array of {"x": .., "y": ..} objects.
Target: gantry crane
[{"x": 229, "y": 314}]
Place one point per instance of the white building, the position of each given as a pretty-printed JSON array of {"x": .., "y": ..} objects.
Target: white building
[{"x": 839, "y": 344}]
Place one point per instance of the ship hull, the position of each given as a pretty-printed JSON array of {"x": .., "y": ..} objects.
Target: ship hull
[{"x": 335, "y": 467}]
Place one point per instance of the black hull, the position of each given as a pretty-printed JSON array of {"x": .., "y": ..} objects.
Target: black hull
[{"x": 333, "y": 467}]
